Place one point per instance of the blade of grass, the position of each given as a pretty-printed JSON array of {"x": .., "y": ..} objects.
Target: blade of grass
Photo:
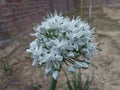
[
  {"x": 79, "y": 80},
  {"x": 88, "y": 82},
  {"x": 74, "y": 82},
  {"x": 68, "y": 81}
]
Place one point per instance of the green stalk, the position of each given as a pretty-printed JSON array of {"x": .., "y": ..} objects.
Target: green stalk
[
  {"x": 53, "y": 84},
  {"x": 68, "y": 81}
]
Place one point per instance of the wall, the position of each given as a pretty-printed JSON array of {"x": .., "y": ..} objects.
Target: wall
[
  {"x": 64, "y": 5},
  {"x": 17, "y": 16},
  {"x": 101, "y": 3}
]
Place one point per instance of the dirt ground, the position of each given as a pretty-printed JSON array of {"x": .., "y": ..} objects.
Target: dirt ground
[{"x": 17, "y": 73}]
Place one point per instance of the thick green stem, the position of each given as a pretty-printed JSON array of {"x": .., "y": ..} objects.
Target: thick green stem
[{"x": 53, "y": 84}]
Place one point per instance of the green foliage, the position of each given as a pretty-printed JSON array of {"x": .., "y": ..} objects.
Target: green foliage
[
  {"x": 35, "y": 86},
  {"x": 22, "y": 40},
  {"x": 77, "y": 82},
  {"x": 101, "y": 35},
  {"x": 68, "y": 81},
  {"x": 53, "y": 84},
  {"x": 6, "y": 68}
]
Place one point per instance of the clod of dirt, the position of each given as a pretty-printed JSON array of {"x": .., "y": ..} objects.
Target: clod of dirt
[
  {"x": 112, "y": 13},
  {"x": 34, "y": 86}
]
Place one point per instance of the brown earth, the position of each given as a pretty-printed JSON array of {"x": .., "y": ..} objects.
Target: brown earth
[{"x": 17, "y": 73}]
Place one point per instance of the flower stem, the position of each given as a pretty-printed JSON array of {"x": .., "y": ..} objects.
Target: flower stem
[{"x": 53, "y": 84}]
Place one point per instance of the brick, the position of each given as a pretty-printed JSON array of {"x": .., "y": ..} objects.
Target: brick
[
  {"x": 9, "y": 1},
  {"x": 18, "y": 15}
]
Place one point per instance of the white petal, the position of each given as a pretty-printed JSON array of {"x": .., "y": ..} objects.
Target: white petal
[
  {"x": 78, "y": 65},
  {"x": 48, "y": 69},
  {"x": 59, "y": 58},
  {"x": 84, "y": 65},
  {"x": 70, "y": 54},
  {"x": 71, "y": 69},
  {"x": 89, "y": 55},
  {"x": 84, "y": 50},
  {"x": 34, "y": 62},
  {"x": 29, "y": 50},
  {"x": 70, "y": 48},
  {"x": 56, "y": 64},
  {"x": 55, "y": 75},
  {"x": 87, "y": 61},
  {"x": 76, "y": 47}
]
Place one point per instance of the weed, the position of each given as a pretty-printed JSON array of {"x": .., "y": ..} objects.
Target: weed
[
  {"x": 77, "y": 82},
  {"x": 23, "y": 40},
  {"x": 34, "y": 86},
  {"x": 101, "y": 35},
  {"x": 6, "y": 68}
]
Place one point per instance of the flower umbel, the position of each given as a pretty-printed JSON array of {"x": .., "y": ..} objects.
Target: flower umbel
[{"x": 62, "y": 40}]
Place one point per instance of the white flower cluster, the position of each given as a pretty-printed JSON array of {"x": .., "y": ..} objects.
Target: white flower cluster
[{"x": 61, "y": 40}]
